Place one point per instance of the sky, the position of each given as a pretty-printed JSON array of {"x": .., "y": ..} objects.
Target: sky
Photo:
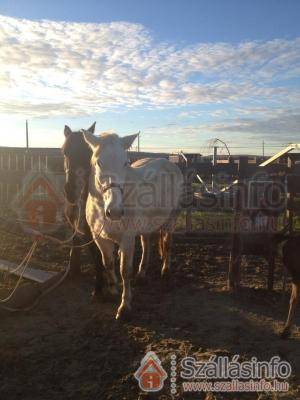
[{"x": 181, "y": 72}]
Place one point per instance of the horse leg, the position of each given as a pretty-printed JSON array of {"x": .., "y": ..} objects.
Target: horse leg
[
  {"x": 100, "y": 284},
  {"x": 293, "y": 302},
  {"x": 144, "y": 263},
  {"x": 107, "y": 248},
  {"x": 75, "y": 259},
  {"x": 166, "y": 256},
  {"x": 127, "y": 246}
]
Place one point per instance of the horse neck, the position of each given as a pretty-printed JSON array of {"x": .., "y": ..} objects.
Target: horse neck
[
  {"x": 87, "y": 171},
  {"x": 92, "y": 185}
]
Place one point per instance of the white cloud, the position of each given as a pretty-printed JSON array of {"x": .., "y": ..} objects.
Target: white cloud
[
  {"x": 64, "y": 68},
  {"x": 279, "y": 127},
  {"x": 282, "y": 126}
]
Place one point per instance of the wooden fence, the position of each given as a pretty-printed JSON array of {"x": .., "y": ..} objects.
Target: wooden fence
[{"x": 16, "y": 164}]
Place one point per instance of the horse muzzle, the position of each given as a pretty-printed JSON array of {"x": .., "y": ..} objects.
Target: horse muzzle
[
  {"x": 114, "y": 214},
  {"x": 69, "y": 194}
]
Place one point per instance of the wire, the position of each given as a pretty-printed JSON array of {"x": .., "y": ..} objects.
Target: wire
[{"x": 26, "y": 260}]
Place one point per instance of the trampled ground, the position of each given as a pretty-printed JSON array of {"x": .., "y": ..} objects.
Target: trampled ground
[{"x": 72, "y": 348}]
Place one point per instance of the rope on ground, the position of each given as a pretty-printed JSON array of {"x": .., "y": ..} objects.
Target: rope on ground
[
  {"x": 42, "y": 294},
  {"x": 27, "y": 259},
  {"x": 29, "y": 254},
  {"x": 24, "y": 262},
  {"x": 38, "y": 236}
]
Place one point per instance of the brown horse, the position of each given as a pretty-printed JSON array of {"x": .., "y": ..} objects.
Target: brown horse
[{"x": 77, "y": 170}]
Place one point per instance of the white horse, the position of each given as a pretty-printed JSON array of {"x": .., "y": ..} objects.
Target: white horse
[{"x": 125, "y": 201}]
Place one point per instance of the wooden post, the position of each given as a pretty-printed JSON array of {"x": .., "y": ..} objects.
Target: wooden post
[
  {"x": 290, "y": 198},
  {"x": 188, "y": 215},
  {"x": 236, "y": 242},
  {"x": 188, "y": 220},
  {"x": 272, "y": 228},
  {"x": 271, "y": 269}
]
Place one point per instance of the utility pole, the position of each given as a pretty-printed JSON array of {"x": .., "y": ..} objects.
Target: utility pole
[
  {"x": 27, "y": 135},
  {"x": 263, "y": 148},
  {"x": 139, "y": 132}
]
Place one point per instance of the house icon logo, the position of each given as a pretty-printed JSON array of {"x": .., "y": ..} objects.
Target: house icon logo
[
  {"x": 39, "y": 205},
  {"x": 151, "y": 375}
]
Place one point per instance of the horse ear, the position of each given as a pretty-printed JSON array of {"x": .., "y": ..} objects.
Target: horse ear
[
  {"x": 92, "y": 128},
  {"x": 67, "y": 131},
  {"x": 128, "y": 140},
  {"x": 91, "y": 140}
]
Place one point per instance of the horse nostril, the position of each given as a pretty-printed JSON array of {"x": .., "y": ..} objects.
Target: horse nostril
[{"x": 114, "y": 213}]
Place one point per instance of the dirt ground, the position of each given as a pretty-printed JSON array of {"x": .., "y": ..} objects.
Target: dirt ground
[{"x": 72, "y": 348}]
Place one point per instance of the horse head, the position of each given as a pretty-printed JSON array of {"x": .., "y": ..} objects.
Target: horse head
[
  {"x": 77, "y": 157},
  {"x": 109, "y": 163}
]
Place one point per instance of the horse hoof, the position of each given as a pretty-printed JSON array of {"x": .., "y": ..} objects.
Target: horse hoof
[
  {"x": 75, "y": 275},
  {"x": 97, "y": 296},
  {"x": 140, "y": 280},
  {"x": 166, "y": 279},
  {"x": 165, "y": 274},
  {"x": 111, "y": 295},
  {"x": 285, "y": 334},
  {"x": 233, "y": 291},
  {"x": 123, "y": 314}
]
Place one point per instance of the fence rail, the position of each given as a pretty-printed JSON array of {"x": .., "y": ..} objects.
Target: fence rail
[{"x": 18, "y": 163}]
